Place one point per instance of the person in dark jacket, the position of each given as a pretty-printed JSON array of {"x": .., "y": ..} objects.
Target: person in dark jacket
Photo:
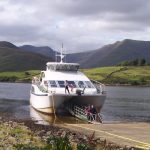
[
  {"x": 94, "y": 112},
  {"x": 67, "y": 86}
]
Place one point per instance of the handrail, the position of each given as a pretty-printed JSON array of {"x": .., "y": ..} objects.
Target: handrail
[
  {"x": 80, "y": 113},
  {"x": 99, "y": 86},
  {"x": 37, "y": 82}
]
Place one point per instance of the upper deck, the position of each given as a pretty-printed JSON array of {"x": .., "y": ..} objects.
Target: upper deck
[{"x": 55, "y": 66}]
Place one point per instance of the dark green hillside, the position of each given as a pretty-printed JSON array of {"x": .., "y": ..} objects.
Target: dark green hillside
[
  {"x": 12, "y": 59},
  {"x": 114, "y": 54},
  {"x": 108, "y": 55},
  {"x": 43, "y": 50},
  {"x": 7, "y": 44}
]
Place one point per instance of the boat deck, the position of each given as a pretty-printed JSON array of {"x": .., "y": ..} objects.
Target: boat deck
[{"x": 129, "y": 134}]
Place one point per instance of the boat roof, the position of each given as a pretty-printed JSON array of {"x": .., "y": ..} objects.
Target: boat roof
[
  {"x": 64, "y": 75},
  {"x": 61, "y": 66}
]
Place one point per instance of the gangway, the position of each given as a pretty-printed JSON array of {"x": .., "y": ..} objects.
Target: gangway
[{"x": 79, "y": 112}]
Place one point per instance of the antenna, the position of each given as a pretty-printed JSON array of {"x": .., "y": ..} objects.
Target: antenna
[
  {"x": 61, "y": 54},
  {"x": 55, "y": 56}
]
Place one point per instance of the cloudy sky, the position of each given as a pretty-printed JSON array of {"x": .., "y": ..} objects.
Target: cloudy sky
[{"x": 80, "y": 24}]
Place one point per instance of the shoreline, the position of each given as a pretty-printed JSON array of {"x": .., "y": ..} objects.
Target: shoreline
[{"x": 36, "y": 135}]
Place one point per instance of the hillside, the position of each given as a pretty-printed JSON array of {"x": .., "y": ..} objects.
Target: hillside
[
  {"x": 108, "y": 55},
  {"x": 31, "y": 57},
  {"x": 43, "y": 50},
  {"x": 13, "y": 59},
  {"x": 113, "y": 54},
  {"x": 120, "y": 75}
]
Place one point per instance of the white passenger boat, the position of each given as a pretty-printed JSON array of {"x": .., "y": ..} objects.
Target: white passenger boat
[{"x": 48, "y": 89}]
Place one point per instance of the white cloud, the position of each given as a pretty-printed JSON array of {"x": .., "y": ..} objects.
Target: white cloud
[{"x": 79, "y": 24}]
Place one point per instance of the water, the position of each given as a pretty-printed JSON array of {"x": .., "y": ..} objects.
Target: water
[
  {"x": 127, "y": 104},
  {"x": 123, "y": 104}
]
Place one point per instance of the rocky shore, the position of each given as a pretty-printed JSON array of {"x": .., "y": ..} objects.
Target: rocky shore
[{"x": 27, "y": 135}]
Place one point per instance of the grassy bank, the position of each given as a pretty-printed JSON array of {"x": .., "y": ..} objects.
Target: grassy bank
[
  {"x": 108, "y": 75},
  {"x": 20, "y": 76},
  {"x": 120, "y": 75},
  {"x": 29, "y": 136}
]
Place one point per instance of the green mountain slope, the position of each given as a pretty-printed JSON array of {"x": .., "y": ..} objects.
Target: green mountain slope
[
  {"x": 43, "y": 50},
  {"x": 12, "y": 59}
]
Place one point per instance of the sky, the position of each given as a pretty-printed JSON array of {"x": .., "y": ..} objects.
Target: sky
[{"x": 81, "y": 25}]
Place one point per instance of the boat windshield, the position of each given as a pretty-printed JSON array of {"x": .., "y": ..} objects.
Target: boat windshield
[
  {"x": 52, "y": 83},
  {"x": 74, "y": 84},
  {"x": 81, "y": 84},
  {"x": 61, "y": 83},
  {"x": 89, "y": 84}
]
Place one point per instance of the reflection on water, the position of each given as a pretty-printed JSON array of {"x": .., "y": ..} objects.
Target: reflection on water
[
  {"x": 16, "y": 109},
  {"x": 60, "y": 118}
]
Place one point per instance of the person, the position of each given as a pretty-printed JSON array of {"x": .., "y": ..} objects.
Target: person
[
  {"x": 71, "y": 86},
  {"x": 88, "y": 112},
  {"x": 67, "y": 86},
  {"x": 94, "y": 112}
]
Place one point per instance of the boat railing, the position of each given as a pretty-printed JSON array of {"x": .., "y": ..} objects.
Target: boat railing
[
  {"x": 42, "y": 89},
  {"x": 37, "y": 82},
  {"x": 99, "y": 86},
  {"x": 80, "y": 112}
]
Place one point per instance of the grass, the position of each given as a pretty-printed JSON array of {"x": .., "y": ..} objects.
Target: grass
[
  {"x": 21, "y": 76},
  {"x": 120, "y": 75},
  {"x": 108, "y": 75}
]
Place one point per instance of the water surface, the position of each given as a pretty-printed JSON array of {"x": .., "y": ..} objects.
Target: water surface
[{"x": 123, "y": 104}]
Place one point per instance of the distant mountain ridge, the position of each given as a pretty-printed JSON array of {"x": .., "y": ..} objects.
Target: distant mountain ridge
[
  {"x": 113, "y": 54},
  {"x": 43, "y": 50},
  {"x": 31, "y": 57},
  {"x": 7, "y": 44}
]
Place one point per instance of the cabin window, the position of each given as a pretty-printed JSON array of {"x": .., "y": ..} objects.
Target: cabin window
[
  {"x": 45, "y": 83},
  {"x": 89, "y": 84},
  {"x": 52, "y": 83},
  {"x": 72, "y": 84},
  {"x": 81, "y": 84},
  {"x": 61, "y": 84}
]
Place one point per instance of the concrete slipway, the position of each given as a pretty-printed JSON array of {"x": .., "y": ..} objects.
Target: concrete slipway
[{"x": 129, "y": 134}]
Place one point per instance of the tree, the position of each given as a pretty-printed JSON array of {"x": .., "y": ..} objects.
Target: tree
[
  {"x": 142, "y": 62},
  {"x": 135, "y": 62}
]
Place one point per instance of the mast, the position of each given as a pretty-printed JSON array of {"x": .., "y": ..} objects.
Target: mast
[{"x": 61, "y": 55}]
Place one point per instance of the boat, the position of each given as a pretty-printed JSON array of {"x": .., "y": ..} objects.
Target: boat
[{"x": 48, "y": 90}]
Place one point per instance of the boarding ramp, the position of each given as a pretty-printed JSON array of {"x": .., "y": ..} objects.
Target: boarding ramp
[{"x": 80, "y": 112}]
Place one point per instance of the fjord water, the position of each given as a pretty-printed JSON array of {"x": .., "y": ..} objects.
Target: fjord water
[{"x": 123, "y": 104}]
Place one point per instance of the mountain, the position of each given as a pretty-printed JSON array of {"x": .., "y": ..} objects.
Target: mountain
[
  {"x": 113, "y": 54},
  {"x": 43, "y": 50},
  {"x": 13, "y": 59},
  {"x": 4, "y": 44}
]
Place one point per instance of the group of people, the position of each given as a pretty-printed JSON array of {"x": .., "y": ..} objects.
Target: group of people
[{"x": 91, "y": 112}]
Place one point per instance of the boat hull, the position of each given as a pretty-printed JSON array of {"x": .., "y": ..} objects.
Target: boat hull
[{"x": 50, "y": 103}]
